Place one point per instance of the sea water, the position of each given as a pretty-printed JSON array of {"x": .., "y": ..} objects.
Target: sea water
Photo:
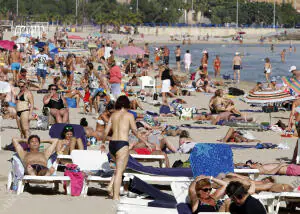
[{"x": 253, "y": 56}]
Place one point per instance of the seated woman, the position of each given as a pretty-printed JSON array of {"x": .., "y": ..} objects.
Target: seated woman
[
  {"x": 225, "y": 108},
  {"x": 133, "y": 81},
  {"x": 134, "y": 104},
  {"x": 201, "y": 196},
  {"x": 236, "y": 137},
  {"x": 165, "y": 110},
  {"x": 8, "y": 111},
  {"x": 103, "y": 121},
  {"x": 57, "y": 104},
  {"x": 74, "y": 94},
  {"x": 68, "y": 142},
  {"x": 258, "y": 87}
]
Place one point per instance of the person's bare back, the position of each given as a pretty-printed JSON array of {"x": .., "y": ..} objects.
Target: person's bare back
[
  {"x": 237, "y": 60},
  {"x": 15, "y": 56},
  {"x": 121, "y": 125}
]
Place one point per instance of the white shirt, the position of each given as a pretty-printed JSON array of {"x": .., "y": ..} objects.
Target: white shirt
[
  {"x": 187, "y": 58},
  {"x": 107, "y": 52},
  {"x": 42, "y": 61}
]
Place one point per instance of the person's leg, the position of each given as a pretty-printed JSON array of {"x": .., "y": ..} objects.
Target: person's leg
[
  {"x": 55, "y": 113},
  {"x": 228, "y": 135},
  {"x": 239, "y": 75},
  {"x": 24, "y": 121},
  {"x": 164, "y": 143},
  {"x": 164, "y": 154},
  {"x": 295, "y": 154},
  {"x": 30, "y": 170},
  {"x": 234, "y": 74},
  {"x": 19, "y": 126},
  {"x": 121, "y": 163},
  {"x": 65, "y": 115}
]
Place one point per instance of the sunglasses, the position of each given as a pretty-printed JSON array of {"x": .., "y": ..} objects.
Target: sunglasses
[
  {"x": 69, "y": 128},
  {"x": 53, "y": 89},
  {"x": 206, "y": 189}
]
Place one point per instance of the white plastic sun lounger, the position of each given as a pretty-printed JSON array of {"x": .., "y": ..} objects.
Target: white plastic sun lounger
[
  {"x": 89, "y": 160},
  {"x": 55, "y": 180},
  {"x": 252, "y": 173},
  {"x": 148, "y": 158}
]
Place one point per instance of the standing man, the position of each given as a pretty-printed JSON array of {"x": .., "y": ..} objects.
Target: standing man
[
  {"x": 236, "y": 66},
  {"x": 15, "y": 60},
  {"x": 177, "y": 55},
  {"x": 42, "y": 63},
  {"x": 120, "y": 123},
  {"x": 166, "y": 55}
]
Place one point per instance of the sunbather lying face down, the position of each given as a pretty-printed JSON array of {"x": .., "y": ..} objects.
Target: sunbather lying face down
[{"x": 35, "y": 162}]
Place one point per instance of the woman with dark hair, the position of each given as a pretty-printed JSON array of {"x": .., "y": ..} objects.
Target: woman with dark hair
[
  {"x": 24, "y": 107},
  {"x": 68, "y": 142},
  {"x": 70, "y": 69},
  {"x": 57, "y": 104},
  {"x": 93, "y": 80},
  {"x": 103, "y": 118},
  {"x": 120, "y": 122}
]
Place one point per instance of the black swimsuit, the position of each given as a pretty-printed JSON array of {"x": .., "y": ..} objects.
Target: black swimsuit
[
  {"x": 116, "y": 145},
  {"x": 21, "y": 98},
  {"x": 56, "y": 104},
  {"x": 38, "y": 168}
]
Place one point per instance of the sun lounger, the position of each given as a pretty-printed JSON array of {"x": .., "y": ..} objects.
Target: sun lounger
[
  {"x": 252, "y": 173},
  {"x": 89, "y": 160},
  {"x": 147, "y": 158},
  {"x": 55, "y": 180}
]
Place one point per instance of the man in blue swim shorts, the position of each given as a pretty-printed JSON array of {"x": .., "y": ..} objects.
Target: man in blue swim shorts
[{"x": 15, "y": 59}]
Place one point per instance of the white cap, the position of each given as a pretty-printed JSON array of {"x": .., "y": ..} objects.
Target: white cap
[
  {"x": 204, "y": 52},
  {"x": 293, "y": 68},
  {"x": 237, "y": 53}
]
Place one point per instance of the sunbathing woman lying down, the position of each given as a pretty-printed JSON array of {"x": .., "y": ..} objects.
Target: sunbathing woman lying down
[
  {"x": 276, "y": 168},
  {"x": 236, "y": 137}
]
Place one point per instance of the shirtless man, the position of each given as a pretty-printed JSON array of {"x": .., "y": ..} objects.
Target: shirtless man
[
  {"x": 236, "y": 66},
  {"x": 35, "y": 162},
  {"x": 177, "y": 55},
  {"x": 15, "y": 60},
  {"x": 120, "y": 122}
]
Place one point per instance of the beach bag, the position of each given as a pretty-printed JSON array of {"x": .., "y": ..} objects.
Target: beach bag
[
  {"x": 193, "y": 75},
  {"x": 77, "y": 178},
  {"x": 149, "y": 120},
  {"x": 186, "y": 114},
  {"x": 42, "y": 122},
  {"x": 235, "y": 91},
  {"x": 71, "y": 102}
]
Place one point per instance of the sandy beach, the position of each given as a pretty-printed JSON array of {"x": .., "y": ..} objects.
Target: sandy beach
[{"x": 39, "y": 200}]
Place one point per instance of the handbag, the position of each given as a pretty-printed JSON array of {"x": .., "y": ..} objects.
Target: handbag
[{"x": 186, "y": 114}]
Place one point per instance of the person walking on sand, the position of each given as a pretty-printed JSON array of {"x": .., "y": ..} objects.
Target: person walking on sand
[
  {"x": 282, "y": 54},
  {"x": 187, "y": 61},
  {"x": 217, "y": 66},
  {"x": 237, "y": 65},
  {"x": 15, "y": 60},
  {"x": 177, "y": 55},
  {"x": 120, "y": 123},
  {"x": 268, "y": 69}
]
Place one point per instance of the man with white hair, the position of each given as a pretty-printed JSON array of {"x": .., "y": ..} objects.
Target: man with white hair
[{"x": 236, "y": 66}]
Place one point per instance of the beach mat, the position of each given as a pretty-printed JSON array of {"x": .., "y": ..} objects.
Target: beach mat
[{"x": 211, "y": 159}]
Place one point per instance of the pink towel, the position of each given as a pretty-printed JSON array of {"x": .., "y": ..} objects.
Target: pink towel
[{"x": 76, "y": 177}]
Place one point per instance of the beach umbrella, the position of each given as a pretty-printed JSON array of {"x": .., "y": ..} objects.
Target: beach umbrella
[
  {"x": 74, "y": 37},
  {"x": 40, "y": 44},
  {"x": 130, "y": 51},
  {"x": 8, "y": 45},
  {"x": 4, "y": 87},
  {"x": 267, "y": 97}
]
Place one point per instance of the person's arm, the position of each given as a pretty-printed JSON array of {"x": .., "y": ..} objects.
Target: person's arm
[
  {"x": 64, "y": 101},
  {"x": 47, "y": 98},
  {"x": 49, "y": 151},
  {"x": 274, "y": 171},
  {"x": 261, "y": 187},
  {"x": 135, "y": 132},
  {"x": 104, "y": 117},
  {"x": 31, "y": 102},
  {"x": 107, "y": 130},
  {"x": 79, "y": 144},
  {"x": 238, "y": 176},
  {"x": 19, "y": 149},
  {"x": 220, "y": 191},
  {"x": 193, "y": 195}
]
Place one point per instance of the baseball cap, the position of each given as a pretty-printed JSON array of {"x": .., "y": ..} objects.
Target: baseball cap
[{"x": 293, "y": 68}]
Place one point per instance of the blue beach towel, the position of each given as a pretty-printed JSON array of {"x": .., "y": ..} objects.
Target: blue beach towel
[{"x": 211, "y": 159}]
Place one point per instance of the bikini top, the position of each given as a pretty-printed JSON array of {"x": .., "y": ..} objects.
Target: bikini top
[
  {"x": 56, "y": 104},
  {"x": 203, "y": 207},
  {"x": 21, "y": 98}
]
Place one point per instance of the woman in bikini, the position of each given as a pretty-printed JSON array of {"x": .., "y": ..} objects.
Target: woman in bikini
[
  {"x": 57, "y": 104},
  {"x": 217, "y": 66},
  {"x": 70, "y": 69},
  {"x": 204, "y": 63},
  {"x": 24, "y": 107}
]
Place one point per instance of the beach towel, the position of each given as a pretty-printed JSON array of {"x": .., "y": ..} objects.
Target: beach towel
[
  {"x": 189, "y": 126},
  {"x": 76, "y": 177},
  {"x": 211, "y": 159},
  {"x": 17, "y": 171},
  {"x": 56, "y": 130},
  {"x": 143, "y": 151}
]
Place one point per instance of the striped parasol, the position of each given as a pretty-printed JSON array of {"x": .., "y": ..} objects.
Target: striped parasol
[{"x": 292, "y": 83}]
